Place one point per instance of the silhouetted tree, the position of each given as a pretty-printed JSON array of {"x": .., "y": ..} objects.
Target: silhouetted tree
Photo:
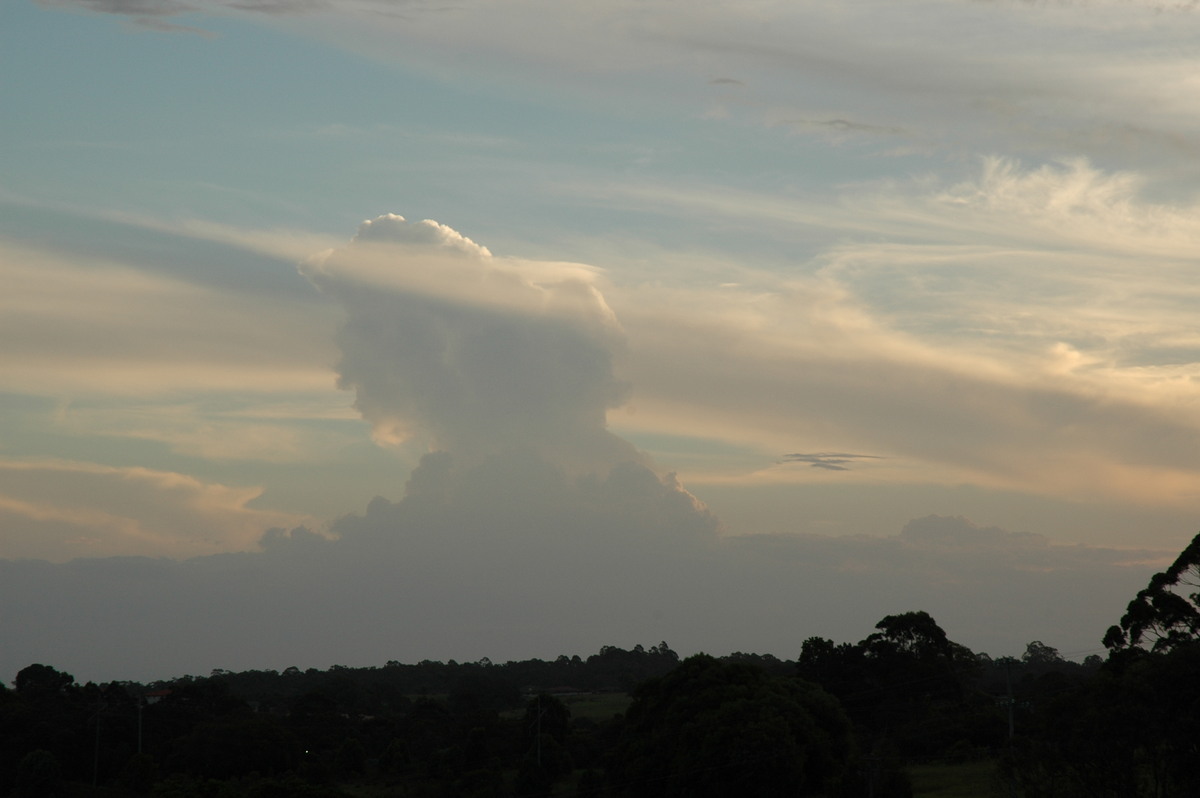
[
  {"x": 43, "y": 679},
  {"x": 710, "y": 728},
  {"x": 1167, "y": 612}
]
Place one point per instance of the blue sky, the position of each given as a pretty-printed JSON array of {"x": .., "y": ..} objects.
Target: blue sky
[{"x": 893, "y": 286}]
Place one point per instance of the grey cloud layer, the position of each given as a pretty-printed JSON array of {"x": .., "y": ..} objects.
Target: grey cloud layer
[{"x": 489, "y": 565}]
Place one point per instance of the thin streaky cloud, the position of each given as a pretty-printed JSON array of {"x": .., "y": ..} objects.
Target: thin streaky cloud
[{"x": 830, "y": 461}]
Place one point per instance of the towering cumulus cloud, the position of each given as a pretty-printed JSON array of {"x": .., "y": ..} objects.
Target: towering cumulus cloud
[
  {"x": 505, "y": 369},
  {"x": 528, "y": 512},
  {"x": 477, "y": 354}
]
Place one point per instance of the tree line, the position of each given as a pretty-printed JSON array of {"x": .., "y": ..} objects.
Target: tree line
[{"x": 842, "y": 719}]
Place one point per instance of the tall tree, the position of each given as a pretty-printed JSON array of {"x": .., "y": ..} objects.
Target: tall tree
[{"x": 1167, "y": 612}]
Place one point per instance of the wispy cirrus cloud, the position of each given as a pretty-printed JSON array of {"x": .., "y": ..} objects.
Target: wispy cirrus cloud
[
  {"x": 265, "y": 429},
  {"x": 86, "y": 324},
  {"x": 59, "y": 510},
  {"x": 1106, "y": 79},
  {"x": 1007, "y": 330}
]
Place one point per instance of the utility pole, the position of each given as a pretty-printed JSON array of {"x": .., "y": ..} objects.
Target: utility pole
[
  {"x": 96, "y": 748},
  {"x": 1012, "y": 776},
  {"x": 1008, "y": 685}
]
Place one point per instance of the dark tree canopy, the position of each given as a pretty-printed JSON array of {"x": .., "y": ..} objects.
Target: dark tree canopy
[
  {"x": 846, "y": 719},
  {"x": 913, "y": 633},
  {"x": 713, "y": 728},
  {"x": 43, "y": 678},
  {"x": 1038, "y": 653}
]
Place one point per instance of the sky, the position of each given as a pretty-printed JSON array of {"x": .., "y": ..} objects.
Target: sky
[{"x": 348, "y": 331}]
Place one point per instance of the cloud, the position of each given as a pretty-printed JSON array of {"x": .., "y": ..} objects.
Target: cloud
[
  {"x": 134, "y": 8},
  {"x": 533, "y": 530},
  {"x": 1003, "y": 331},
  {"x": 1015, "y": 328},
  {"x": 942, "y": 532},
  {"x": 59, "y": 509},
  {"x": 282, "y": 6},
  {"x": 840, "y": 129},
  {"x": 952, "y": 79},
  {"x": 88, "y": 324},
  {"x": 511, "y": 556},
  {"x": 830, "y": 461},
  {"x": 281, "y": 432},
  {"x": 477, "y": 354},
  {"x": 162, "y": 26},
  {"x": 465, "y": 566},
  {"x": 1024, "y": 329},
  {"x": 168, "y": 8},
  {"x": 145, "y": 11},
  {"x": 949, "y": 549},
  {"x": 994, "y": 589}
]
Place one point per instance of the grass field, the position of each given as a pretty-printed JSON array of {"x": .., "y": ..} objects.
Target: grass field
[
  {"x": 593, "y": 706},
  {"x": 597, "y": 706},
  {"x": 966, "y": 780}
]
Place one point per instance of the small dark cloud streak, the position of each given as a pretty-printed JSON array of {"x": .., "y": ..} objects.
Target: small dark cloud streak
[
  {"x": 144, "y": 10},
  {"x": 129, "y": 8},
  {"x": 830, "y": 461},
  {"x": 846, "y": 126}
]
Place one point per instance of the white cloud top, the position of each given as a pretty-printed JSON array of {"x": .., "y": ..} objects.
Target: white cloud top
[{"x": 476, "y": 354}]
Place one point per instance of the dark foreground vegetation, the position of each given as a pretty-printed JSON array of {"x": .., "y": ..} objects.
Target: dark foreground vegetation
[{"x": 904, "y": 712}]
